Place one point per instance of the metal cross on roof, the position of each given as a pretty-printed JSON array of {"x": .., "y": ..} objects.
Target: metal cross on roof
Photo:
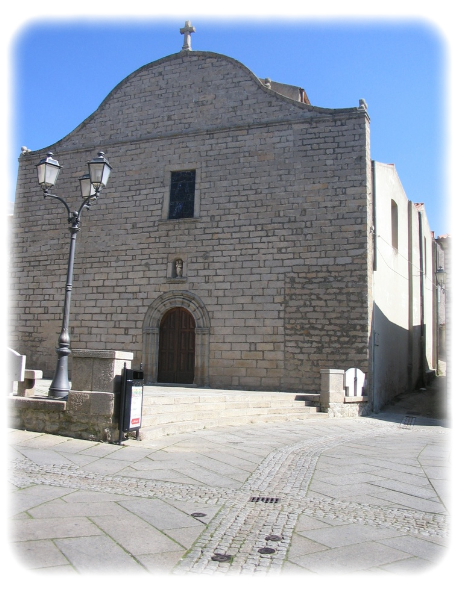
[{"x": 186, "y": 31}]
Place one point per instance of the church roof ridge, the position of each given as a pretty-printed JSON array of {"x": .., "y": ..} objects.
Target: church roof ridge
[{"x": 191, "y": 54}]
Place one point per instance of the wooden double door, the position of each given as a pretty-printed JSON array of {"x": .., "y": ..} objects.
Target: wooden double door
[{"x": 177, "y": 347}]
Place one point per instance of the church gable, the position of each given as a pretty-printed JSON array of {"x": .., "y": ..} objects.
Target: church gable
[
  {"x": 186, "y": 92},
  {"x": 228, "y": 199}
]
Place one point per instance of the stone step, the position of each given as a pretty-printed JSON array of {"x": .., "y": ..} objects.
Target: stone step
[
  {"x": 156, "y": 405},
  {"x": 157, "y": 431},
  {"x": 204, "y": 396},
  {"x": 169, "y": 410},
  {"x": 310, "y": 399},
  {"x": 220, "y": 412}
]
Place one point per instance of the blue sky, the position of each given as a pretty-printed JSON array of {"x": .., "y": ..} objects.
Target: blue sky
[{"x": 62, "y": 71}]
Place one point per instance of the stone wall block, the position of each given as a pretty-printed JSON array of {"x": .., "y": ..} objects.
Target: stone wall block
[
  {"x": 91, "y": 404},
  {"x": 85, "y": 415},
  {"x": 337, "y": 410},
  {"x": 99, "y": 370}
]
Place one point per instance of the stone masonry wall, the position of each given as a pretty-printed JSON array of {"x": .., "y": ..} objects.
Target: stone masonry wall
[
  {"x": 453, "y": 252},
  {"x": 277, "y": 253}
]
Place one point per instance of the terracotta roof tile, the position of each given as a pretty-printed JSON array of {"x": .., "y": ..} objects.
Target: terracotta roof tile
[{"x": 456, "y": 235}]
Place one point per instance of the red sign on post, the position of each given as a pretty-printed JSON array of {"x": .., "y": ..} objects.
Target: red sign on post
[{"x": 136, "y": 406}]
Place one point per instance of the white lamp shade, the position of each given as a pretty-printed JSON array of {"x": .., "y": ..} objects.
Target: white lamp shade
[
  {"x": 99, "y": 171},
  {"x": 47, "y": 171},
  {"x": 86, "y": 187}
]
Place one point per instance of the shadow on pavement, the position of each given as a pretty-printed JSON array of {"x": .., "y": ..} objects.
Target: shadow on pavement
[{"x": 428, "y": 405}]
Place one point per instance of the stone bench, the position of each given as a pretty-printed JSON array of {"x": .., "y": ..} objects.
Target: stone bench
[{"x": 26, "y": 388}]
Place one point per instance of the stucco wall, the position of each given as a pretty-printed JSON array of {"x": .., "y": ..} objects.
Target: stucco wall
[
  {"x": 453, "y": 252},
  {"x": 276, "y": 256},
  {"x": 399, "y": 293},
  {"x": 429, "y": 281}
]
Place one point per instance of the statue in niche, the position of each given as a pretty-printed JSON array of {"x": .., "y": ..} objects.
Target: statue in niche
[{"x": 178, "y": 268}]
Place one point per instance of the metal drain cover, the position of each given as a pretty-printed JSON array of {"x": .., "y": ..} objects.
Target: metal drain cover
[
  {"x": 273, "y": 538},
  {"x": 222, "y": 558},
  {"x": 198, "y": 514},
  {"x": 408, "y": 421},
  {"x": 264, "y": 499},
  {"x": 266, "y": 550}
]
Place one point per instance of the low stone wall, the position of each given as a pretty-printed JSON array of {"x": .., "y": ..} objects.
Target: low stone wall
[
  {"x": 348, "y": 410},
  {"x": 86, "y": 413},
  {"x": 90, "y": 415}
]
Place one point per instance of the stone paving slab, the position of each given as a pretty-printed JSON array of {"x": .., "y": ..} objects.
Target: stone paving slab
[
  {"x": 348, "y": 534},
  {"x": 40, "y": 554},
  {"x": 159, "y": 514},
  {"x": 421, "y": 548},
  {"x": 168, "y": 475},
  {"x": 350, "y": 558},
  {"x": 53, "y": 528},
  {"x": 301, "y": 545},
  {"x": 122, "y": 530},
  {"x": 45, "y": 456},
  {"x": 98, "y": 555},
  {"x": 61, "y": 508},
  {"x": 26, "y": 499},
  {"x": 82, "y": 508}
]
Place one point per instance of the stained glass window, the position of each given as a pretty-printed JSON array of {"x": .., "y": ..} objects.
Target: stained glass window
[{"x": 182, "y": 194}]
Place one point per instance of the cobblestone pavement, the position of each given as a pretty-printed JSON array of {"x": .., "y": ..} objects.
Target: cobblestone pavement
[{"x": 351, "y": 495}]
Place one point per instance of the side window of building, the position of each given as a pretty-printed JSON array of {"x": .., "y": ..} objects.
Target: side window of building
[
  {"x": 394, "y": 225},
  {"x": 182, "y": 194}
]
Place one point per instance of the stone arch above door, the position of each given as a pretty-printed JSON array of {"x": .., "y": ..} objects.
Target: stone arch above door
[{"x": 152, "y": 322}]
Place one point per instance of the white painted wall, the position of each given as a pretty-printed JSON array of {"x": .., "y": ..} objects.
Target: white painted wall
[
  {"x": 429, "y": 287},
  {"x": 396, "y": 290}
]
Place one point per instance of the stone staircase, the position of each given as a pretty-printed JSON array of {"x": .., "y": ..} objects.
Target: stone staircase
[{"x": 175, "y": 410}]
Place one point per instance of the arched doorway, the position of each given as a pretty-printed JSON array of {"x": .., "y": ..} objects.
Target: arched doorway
[
  {"x": 155, "y": 314},
  {"x": 177, "y": 347}
]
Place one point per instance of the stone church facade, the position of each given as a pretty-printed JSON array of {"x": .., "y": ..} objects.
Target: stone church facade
[{"x": 235, "y": 244}]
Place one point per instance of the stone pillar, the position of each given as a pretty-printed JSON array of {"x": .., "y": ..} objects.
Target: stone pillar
[
  {"x": 332, "y": 388},
  {"x": 202, "y": 357},
  {"x": 150, "y": 354},
  {"x": 98, "y": 370}
]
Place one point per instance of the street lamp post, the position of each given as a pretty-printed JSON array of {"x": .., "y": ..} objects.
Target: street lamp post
[{"x": 48, "y": 170}]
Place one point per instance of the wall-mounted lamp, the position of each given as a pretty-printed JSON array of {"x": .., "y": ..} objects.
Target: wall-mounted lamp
[{"x": 441, "y": 278}]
